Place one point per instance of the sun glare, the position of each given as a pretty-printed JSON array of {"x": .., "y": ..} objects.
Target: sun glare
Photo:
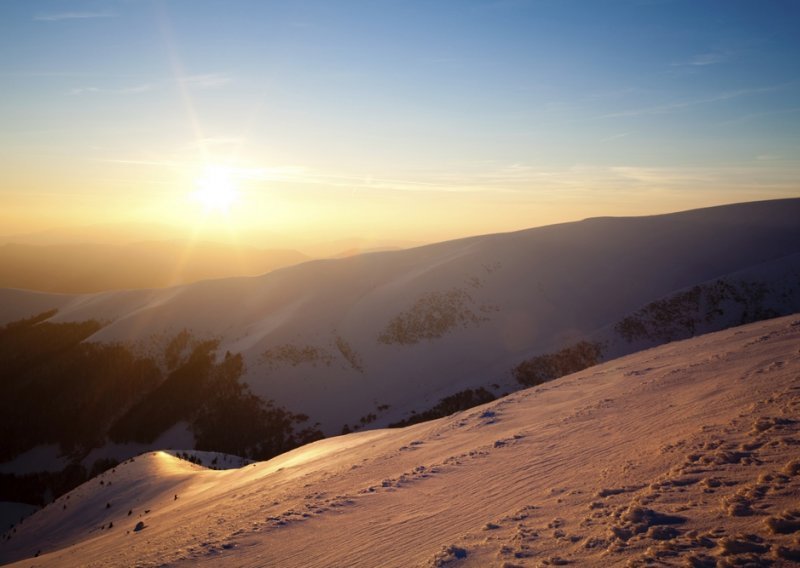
[{"x": 216, "y": 190}]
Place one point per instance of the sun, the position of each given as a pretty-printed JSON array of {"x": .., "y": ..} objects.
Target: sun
[{"x": 216, "y": 190}]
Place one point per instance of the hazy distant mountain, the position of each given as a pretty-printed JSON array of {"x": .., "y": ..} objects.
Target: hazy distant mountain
[
  {"x": 99, "y": 233},
  {"x": 310, "y": 245},
  {"x": 684, "y": 455},
  {"x": 83, "y": 268},
  {"x": 376, "y": 339}
]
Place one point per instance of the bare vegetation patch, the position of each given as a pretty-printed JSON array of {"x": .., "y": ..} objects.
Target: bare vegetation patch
[
  {"x": 543, "y": 368},
  {"x": 448, "y": 405},
  {"x": 681, "y": 314},
  {"x": 294, "y": 355},
  {"x": 350, "y": 355},
  {"x": 433, "y": 316}
]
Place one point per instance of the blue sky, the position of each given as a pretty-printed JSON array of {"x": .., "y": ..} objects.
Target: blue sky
[{"x": 523, "y": 112}]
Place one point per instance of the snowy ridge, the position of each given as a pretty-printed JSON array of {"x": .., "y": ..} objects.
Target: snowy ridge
[{"x": 687, "y": 453}]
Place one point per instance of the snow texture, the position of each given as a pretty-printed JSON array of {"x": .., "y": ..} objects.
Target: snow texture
[{"x": 687, "y": 454}]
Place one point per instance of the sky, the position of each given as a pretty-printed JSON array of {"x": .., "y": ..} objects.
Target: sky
[{"x": 405, "y": 120}]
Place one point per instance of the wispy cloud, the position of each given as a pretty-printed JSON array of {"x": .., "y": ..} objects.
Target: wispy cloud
[
  {"x": 207, "y": 80},
  {"x": 135, "y": 89},
  {"x": 615, "y": 137},
  {"x": 755, "y": 115},
  {"x": 702, "y": 59},
  {"x": 123, "y": 91},
  {"x": 134, "y": 162},
  {"x": 664, "y": 176},
  {"x": 83, "y": 90},
  {"x": 216, "y": 141},
  {"x": 304, "y": 176},
  {"x": 680, "y": 105},
  {"x": 59, "y": 16},
  {"x": 517, "y": 180}
]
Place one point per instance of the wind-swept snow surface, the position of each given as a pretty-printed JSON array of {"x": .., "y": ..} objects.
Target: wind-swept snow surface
[{"x": 688, "y": 453}]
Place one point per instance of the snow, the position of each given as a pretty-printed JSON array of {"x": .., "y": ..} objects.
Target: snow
[
  {"x": 211, "y": 460},
  {"x": 688, "y": 452},
  {"x": 12, "y": 513},
  {"x": 530, "y": 292},
  {"x": 46, "y": 457},
  {"x": 178, "y": 436}
]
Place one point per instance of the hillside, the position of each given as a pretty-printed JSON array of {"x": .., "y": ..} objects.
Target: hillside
[
  {"x": 336, "y": 339},
  {"x": 685, "y": 455},
  {"x": 257, "y": 366}
]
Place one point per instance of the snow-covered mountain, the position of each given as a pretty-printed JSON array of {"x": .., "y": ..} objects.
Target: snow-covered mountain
[
  {"x": 687, "y": 454},
  {"x": 378, "y": 336}
]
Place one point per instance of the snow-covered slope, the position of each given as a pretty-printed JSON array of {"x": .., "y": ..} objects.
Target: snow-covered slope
[
  {"x": 386, "y": 333},
  {"x": 688, "y": 453}
]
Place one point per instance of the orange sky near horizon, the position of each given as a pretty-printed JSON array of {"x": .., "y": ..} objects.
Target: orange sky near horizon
[
  {"x": 289, "y": 207},
  {"x": 394, "y": 122}
]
